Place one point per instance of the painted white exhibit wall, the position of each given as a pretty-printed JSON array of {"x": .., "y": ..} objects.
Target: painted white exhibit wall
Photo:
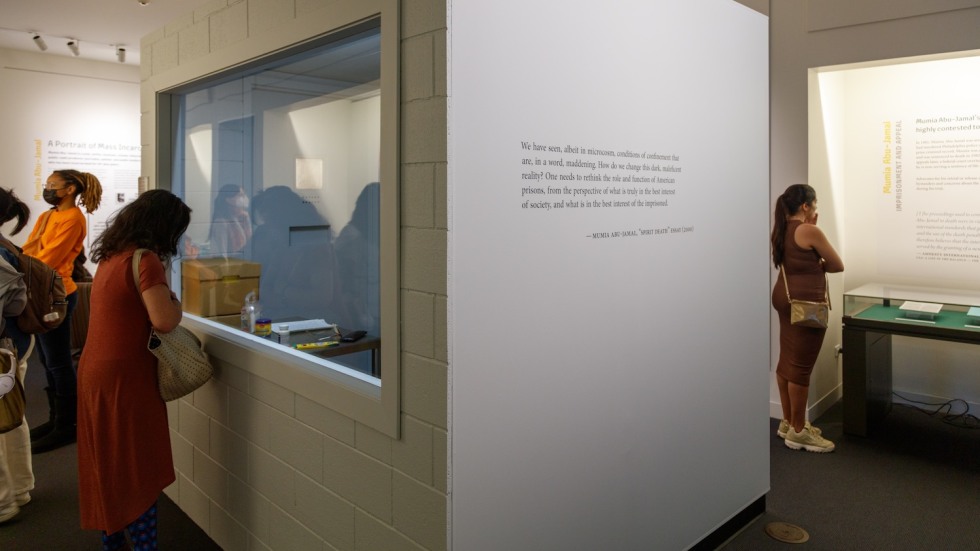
[
  {"x": 62, "y": 112},
  {"x": 906, "y": 163},
  {"x": 609, "y": 271}
]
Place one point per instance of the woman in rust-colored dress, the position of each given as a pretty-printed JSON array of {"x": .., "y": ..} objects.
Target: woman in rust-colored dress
[
  {"x": 124, "y": 456},
  {"x": 803, "y": 252}
]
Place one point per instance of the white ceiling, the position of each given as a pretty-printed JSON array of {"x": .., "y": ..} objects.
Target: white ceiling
[{"x": 98, "y": 25}]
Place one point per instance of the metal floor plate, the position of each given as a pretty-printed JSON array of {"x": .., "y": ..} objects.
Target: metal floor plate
[{"x": 787, "y": 533}]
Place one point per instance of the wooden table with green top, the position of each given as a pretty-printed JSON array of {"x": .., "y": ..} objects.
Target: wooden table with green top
[{"x": 867, "y": 343}]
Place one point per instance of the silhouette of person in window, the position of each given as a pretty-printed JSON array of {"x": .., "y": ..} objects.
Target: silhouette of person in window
[
  {"x": 293, "y": 243},
  {"x": 231, "y": 225},
  {"x": 358, "y": 273}
]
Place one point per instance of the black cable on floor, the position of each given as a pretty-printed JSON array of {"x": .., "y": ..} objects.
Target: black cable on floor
[{"x": 964, "y": 420}]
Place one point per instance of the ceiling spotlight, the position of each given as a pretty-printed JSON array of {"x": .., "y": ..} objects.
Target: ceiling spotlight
[
  {"x": 121, "y": 54},
  {"x": 73, "y": 46},
  {"x": 39, "y": 42},
  {"x": 143, "y": 2}
]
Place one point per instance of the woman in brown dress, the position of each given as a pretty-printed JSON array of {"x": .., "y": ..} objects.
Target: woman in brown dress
[
  {"x": 124, "y": 455},
  {"x": 802, "y": 251}
]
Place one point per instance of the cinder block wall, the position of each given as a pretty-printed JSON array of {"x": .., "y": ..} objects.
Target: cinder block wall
[{"x": 262, "y": 468}]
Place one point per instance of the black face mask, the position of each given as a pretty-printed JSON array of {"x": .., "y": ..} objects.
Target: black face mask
[{"x": 51, "y": 197}]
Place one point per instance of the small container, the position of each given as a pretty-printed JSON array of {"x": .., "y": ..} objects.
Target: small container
[
  {"x": 283, "y": 334},
  {"x": 263, "y": 327}
]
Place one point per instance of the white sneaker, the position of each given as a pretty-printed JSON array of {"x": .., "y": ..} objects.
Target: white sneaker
[
  {"x": 9, "y": 512},
  {"x": 807, "y": 440}
]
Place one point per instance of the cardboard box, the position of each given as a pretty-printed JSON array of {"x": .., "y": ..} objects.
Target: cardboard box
[
  {"x": 230, "y": 320},
  {"x": 217, "y": 286}
]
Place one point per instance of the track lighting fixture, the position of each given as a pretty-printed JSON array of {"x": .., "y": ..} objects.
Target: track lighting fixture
[
  {"x": 93, "y": 49},
  {"x": 39, "y": 42}
]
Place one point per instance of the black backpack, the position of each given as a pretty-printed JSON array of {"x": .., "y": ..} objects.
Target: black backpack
[{"x": 47, "y": 302}]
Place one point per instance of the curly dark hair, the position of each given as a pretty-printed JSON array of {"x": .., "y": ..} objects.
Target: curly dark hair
[
  {"x": 12, "y": 207},
  {"x": 155, "y": 220}
]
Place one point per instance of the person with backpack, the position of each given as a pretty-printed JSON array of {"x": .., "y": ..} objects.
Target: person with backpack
[
  {"x": 16, "y": 467},
  {"x": 56, "y": 239}
]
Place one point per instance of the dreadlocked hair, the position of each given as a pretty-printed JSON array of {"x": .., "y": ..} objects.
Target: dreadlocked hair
[{"x": 88, "y": 186}]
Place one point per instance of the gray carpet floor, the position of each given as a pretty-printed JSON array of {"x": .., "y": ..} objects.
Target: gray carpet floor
[
  {"x": 914, "y": 484},
  {"x": 50, "y": 520}
]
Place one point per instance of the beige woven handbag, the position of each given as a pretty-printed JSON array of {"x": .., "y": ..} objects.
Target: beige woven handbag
[{"x": 182, "y": 365}]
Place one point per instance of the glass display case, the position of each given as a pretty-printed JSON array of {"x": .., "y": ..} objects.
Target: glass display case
[
  {"x": 951, "y": 309},
  {"x": 873, "y": 314}
]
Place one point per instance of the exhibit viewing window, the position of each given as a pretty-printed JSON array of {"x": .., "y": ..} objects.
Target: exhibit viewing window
[
  {"x": 280, "y": 164},
  {"x": 899, "y": 142}
]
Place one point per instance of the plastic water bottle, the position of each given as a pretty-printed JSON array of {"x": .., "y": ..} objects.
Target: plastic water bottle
[{"x": 250, "y": 312}]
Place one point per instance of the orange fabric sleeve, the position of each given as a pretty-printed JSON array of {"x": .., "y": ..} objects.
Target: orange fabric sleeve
[{"x": 60, "y": 243}]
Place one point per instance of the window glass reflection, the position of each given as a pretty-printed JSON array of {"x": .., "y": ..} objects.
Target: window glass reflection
[{"x": 280, "y": 165}]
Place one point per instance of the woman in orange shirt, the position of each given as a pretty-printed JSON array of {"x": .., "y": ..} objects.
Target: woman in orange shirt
[{"x": 56, "y": 239}]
